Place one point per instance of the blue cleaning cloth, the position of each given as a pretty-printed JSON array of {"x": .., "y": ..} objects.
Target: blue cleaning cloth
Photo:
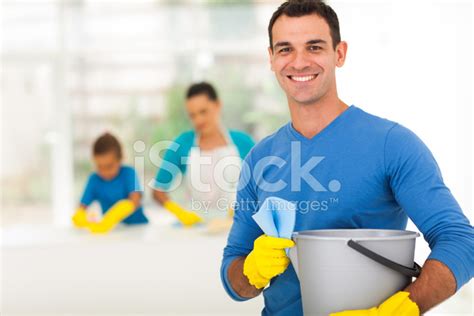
[{"x": 276, "y": 217}]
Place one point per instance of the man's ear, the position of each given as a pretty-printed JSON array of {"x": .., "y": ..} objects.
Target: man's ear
[
  {"x": 270, "y": 57},
  {"x": 341, "y": 51}
]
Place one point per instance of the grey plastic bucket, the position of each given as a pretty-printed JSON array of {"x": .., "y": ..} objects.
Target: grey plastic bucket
[{"x": 344, "y": 269}]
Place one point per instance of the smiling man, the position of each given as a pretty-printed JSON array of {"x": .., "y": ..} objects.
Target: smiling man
[{"x": 363, "y": 171}]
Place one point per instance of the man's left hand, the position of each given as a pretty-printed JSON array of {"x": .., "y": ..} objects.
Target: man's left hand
[{"x": 397, "y": 305}]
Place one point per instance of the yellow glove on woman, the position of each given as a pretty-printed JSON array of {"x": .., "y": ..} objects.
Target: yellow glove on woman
[
  {"x": 397, "y": 305},
  {"x": 267, "y": 260},
  {"x": 118, "y": 212},
  {"x": 187, "y": 218},
  {"x": 80, "y": 218}
]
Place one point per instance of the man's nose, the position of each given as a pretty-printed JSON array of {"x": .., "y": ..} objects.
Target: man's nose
[{"x": 301, "y": 60}]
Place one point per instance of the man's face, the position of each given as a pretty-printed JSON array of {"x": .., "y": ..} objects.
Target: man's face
[
  {"x": 203, "y": 112},
  {"x": 107, "y": 165},
  {"x": 303, "y": 58}
]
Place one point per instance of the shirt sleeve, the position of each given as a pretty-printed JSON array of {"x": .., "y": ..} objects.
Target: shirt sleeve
[
  {"x": 89, "y": 196},
  {"x": 244, "y": 229},
  {"x": 418, "y": 187},
  {"x": 133, "y": 182},
  {"x": 172, "y": 163}
]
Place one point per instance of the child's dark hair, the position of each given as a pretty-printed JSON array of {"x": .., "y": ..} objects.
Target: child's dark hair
[
  {"x": 107, "y": 143},
  {"x": 202, "y": 88}
]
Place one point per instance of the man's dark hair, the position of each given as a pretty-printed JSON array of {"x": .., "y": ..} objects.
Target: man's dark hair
[
  {"x": 202, "y": 88},
  {"x": 107, "y": 143},
  {"x": 299, "y": 8}
]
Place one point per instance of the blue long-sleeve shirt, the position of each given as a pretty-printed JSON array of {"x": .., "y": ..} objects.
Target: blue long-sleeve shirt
[{"x": 361, "y": 171}]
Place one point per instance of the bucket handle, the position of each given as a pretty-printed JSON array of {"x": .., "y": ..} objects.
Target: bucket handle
[{"x": 407, "y": 271}]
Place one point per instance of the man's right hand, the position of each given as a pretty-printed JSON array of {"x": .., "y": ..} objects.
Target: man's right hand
[{"x": 267, "y": 260}]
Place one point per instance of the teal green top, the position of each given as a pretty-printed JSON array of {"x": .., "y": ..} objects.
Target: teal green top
[{"x": 173, "y": 162}]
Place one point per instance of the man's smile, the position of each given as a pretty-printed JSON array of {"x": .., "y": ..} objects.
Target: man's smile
[{"x": 301, "y": 78}]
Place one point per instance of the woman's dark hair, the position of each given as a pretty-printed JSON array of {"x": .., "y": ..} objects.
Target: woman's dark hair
[
  {"x": 202, "y": 88},
  {"x": 299, "y": 8},
  {"x": 107, "y": 143}
]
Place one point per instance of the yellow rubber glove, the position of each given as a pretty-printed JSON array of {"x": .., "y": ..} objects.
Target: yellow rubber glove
[
  {"x": 187, "y": 218},
  {"x": 119, "y": 211},
  {"x": 397, "y": 305},
  {"x": 80, "y": 218},
  {"x": 267, "y": 260}
]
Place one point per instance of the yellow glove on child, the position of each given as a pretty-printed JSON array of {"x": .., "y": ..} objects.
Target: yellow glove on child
[
  {"x": 267, "y": 260},
  {"x": 397, "y": 305},
  {"x": 80, "y": 218},
  {"x": 187, "y": 218},
  {"x": 118, "y": 212}
]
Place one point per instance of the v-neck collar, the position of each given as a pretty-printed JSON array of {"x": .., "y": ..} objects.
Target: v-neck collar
[{"x": 295, "y": 134}]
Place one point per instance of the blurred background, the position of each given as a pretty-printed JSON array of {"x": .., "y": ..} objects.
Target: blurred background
[{"x": 73, "y": 69}]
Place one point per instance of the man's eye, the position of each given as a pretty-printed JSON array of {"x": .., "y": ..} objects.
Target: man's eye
[
  {"x": 284, "y": 50},
  {"x": 314, "y": 48}
]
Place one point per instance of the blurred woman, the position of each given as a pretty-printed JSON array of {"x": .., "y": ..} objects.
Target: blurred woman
[{"x": 209, "y": 157}]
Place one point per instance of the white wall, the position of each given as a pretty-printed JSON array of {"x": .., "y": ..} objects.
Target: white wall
[{"x": 411, "y": 62}]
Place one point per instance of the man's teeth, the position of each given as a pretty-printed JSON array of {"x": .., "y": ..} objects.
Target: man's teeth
[{"x": 303, "y": 78}]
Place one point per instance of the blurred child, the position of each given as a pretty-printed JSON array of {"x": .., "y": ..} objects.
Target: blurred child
[{"x": 115, "y": 186}]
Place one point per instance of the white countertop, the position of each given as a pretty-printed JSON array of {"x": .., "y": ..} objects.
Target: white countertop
[{"x": 147, "y": 269}]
